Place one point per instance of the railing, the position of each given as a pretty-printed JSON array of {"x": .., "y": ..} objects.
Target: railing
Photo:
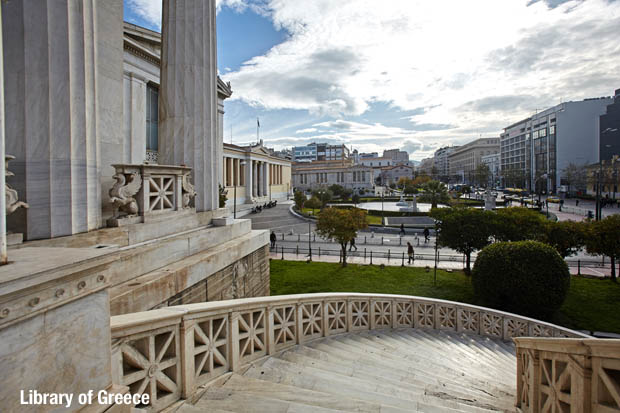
[
  {"x": 570, "y": 375},
  {"x": 146, "y": 190},
  {"x": 169, "y": 352}
]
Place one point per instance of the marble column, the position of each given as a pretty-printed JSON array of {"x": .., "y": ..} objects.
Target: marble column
[
  {"x": 258, "y": 180},
  {"x": 249, "y": 181},
  {"x": 64, "y": 103},
  {"x": 188, "y": 95},
  {"x": 3, "y": 255},
  {"x": 135, "y": 118},
  {"x": 267, "y": 169}
]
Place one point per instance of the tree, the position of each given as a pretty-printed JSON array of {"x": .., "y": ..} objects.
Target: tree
[
  {"x": 346, "y": 193},
  {"x": 603, "y": 238},
  {"x": 517, "y": 224},
  {"x": 336, "y": 189},
  {"x": 463, "y": 229},
  {"x": 325, "y": 195},
  {"x": 574, "y": 175},
  {"x": 341, "y": 226},
  {"x": 482, "y": 174},
  {"x": 300, "y": 198},
  {"x": 356, "y": 199},
  {"x": 314, "y": 203},
  {"x": 421, "y": 180},
  {"x": 567, "y": 237},
  {"x": 435, "y": 192},
  {"x": 525, "y": 277}
]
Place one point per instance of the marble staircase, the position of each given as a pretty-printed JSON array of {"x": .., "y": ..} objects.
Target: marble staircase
[{"x": 373, "y": 371}]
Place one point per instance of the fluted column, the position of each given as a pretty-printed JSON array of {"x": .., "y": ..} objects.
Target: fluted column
[
  {"x": 64, "y": 102},
  {"x": 249, "y": 182},
  {"x": 266, "y": 168},
  {"x": 3, "y": 256},
  {"x": 188, "y": 95}
]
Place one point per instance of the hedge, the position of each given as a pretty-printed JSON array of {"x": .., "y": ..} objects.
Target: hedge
[{"x": 525, "y": 277}]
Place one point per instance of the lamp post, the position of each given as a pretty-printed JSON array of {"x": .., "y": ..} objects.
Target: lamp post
[
  {"x": 242, "y": 163},
  {"x": 599, "y": 209},
  {"x": 309, "y": 243},
  {"x": 382, "y": 214}
]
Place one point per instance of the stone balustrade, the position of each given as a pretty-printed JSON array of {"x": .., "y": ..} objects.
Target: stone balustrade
[
  {"x": 148, "y": 190},
  {"x": 569, "y": 375},
  {"x": 169, "y": 352}
]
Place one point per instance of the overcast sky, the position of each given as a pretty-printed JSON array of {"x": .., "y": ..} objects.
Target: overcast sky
[{"x": 403, "y": 73}]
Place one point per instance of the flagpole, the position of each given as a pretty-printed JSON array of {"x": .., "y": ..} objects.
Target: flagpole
[{"x": 257, "y": 128}]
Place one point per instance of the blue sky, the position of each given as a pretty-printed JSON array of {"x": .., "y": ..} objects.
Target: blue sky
[{"x": 411, "y": 74}]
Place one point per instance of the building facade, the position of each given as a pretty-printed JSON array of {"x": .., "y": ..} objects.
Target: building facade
[
  {"x": 536, "y": 150},
  {"x": 396, "y": 155},
  {"x": 254, "y": 175},
  {"x": 320, "y": 152},
  {"x": 442, "y": 163},
  {"x": 493, "y": 163},
  {"x": 464, "y": 160},
  {"x": 609, "y": 130},
  {"x": 321, "y": 174},
  {"x": 393, "y": 174}
]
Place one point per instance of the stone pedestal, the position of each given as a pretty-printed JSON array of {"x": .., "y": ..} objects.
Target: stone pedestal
[{"x": 188, "y": 95}]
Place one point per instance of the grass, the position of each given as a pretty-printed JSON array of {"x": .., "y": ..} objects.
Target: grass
[{"x": 591, "y": 304}]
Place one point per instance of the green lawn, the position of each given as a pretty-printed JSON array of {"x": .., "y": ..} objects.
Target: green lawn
[{"x": 591, "y": 304}]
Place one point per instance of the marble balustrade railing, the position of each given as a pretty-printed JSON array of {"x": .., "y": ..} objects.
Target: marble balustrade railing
[
  {"x": 169, "y": 352},
  {"x": 568, "y": 375}
]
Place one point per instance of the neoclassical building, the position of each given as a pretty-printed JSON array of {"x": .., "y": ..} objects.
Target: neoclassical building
[
  {"x": 255, "y": 175},
  {"x": 321, "y": 174}
]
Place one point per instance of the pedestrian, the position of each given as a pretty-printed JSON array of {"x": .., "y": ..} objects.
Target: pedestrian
[
  {"x": 561, "y": 204},
  {"x": 427, "y": 234},
  {"x": 576, "y": 202},
  {"x": 402, "y": 230},
  {"x": 410, "y": 253},
  {"x": 352, "y": 244},
  {"x": 273, "y": 239}
]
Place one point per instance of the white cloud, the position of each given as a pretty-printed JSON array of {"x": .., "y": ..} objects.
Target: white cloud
[
  {"x": 307, "y": 130},
  {"x": 475, "y": 66}
]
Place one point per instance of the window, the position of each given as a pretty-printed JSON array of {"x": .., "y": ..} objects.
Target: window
[{"x": 152, "y": 94}]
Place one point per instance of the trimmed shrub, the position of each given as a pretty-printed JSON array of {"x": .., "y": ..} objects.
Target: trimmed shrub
[{"x": 526, "y": 277}]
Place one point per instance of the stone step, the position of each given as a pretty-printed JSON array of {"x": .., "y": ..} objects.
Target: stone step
[
  {"x": 374, "y": 371},
  {"x": 357, "y": 370},
  {"x": 277, "y": 370},
  {"x": 345, "y": 346},
  {"x": 421, "y": 370}
]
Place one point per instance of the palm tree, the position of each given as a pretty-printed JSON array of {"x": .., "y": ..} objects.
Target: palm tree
[{"x": 434, "y": 192}]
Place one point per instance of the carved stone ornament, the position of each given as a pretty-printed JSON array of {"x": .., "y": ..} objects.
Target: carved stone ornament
[
  {"x": 188, "y": 190},
  {"x": 122, "y": 194},
  {"x": 12, "y": 199}
]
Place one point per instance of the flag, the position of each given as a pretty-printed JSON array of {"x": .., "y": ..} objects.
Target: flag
[{"x": 257, "y": 123}]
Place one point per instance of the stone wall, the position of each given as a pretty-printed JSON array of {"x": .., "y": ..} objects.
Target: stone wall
[{"x": 248, "y": 277}]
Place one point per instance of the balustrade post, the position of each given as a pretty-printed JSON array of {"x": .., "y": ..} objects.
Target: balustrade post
[
  {"x": 299, "y": 326},
  {"x": 178, "y": 193},
  {"x": 270, "y": 332},
  {"x": 233, "y": 341},
  {"x": 187, "y": 358}
]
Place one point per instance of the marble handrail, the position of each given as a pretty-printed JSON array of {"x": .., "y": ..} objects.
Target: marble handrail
[
  {"x": 568, "y": 375},
  {"x": 171, "y": 351}
]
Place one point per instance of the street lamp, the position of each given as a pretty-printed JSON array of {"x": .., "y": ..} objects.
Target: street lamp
[{"x": 242, "y": 163}]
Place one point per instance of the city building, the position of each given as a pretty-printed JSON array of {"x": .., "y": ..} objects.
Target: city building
[
  {"x": 320, "y": 152},
  {"x": 426, "y": 166},
  {"x": 255, "y": 175},
  {"x": 609, "y": 130},
  {"x": 321, "y": 174},
  {"x": 442, "y": 163},
  {"x": 396, "y": 154},
  {"x": 393, "y": 174},
  {"x": 493, "y": 162},
  {"x": 536, "y": 150},
  {"x": 464, "y": 159}
]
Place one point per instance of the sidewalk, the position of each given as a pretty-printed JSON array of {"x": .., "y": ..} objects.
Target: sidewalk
[{"x": 397, "y": 260}]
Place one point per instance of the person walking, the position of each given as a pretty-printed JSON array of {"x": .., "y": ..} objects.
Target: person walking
[
  {"x": 427, "y": 234},
  {"x": 273, "y": 239},
  {"x": 410, "y": 253},
  {"x": 352, "y": 244},
  {"x": 402, "y": 230}
]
